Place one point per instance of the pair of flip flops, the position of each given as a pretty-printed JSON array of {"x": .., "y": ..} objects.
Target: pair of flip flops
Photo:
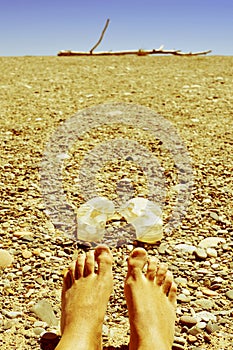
[{"x": 144, "y": 215}]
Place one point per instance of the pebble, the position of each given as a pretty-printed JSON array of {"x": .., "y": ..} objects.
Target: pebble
[
  {"x": 176, "y": 346},
  {"x": 26, "y": 254},
  {"x": 200, "y": 253},
  {"x": 188, "y": 321},
  {"x": 194, "y": 330},
  {"x": 209, "y": 292},
  {"x": 20, "y": 234},
  {"x": 181, "y": 281},
  {"x": 212, "y": 327},
  {"x": 192, "y": 338},
  {"x": 186, "y": 248},
  {"x": 183, "y": 298},
  {"x": 205, "y": 316},
  {"x": 12, "y": 314},
  {"x": 210, "y": 242},
  {"x": 45, "y": 312},
  {"x": 229, "y": 294},
  {"x": 179, "y": 340},
  {"x": 201, "y": 325},
  {"x": 205, "y": 303},
  {"x": 26, "y": 268},
  {"x": 211, "y": 252},
  {"x": 214, "y": 216},
  {"x": 162, "y": 248},
  {"x": 38, "y": 330},
  {"x": 6, "y": 259}
]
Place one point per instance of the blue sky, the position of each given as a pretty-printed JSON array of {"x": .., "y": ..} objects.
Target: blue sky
[{"x": 44, "y": 27}]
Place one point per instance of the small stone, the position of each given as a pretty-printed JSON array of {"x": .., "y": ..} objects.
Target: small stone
[
  {"x": 214, "y": 216},
  {"x": 205, "y": 303},
  {"x": 36, "y": 251},
  {"x": 186, "y": 248},
  {"x": 20, "y": 234},
  {"x": 188, "y": 321},
  {"x": 194, "y": 330},
  {"x": 207, "y": 338},
  {"x": 183, "y": 298},
  {"x": 201, "y": 325},
  {"x": 181, "y": 281},
  {"x": 209, "y": 292},
  {"x": 6, "y": 259},
  {"x": 200, "y": 253},
  {"x": 8, "y": 325},
  {"x": 38, "y": 330},
  {"x": 45, "y": 312},
  {"x": 205, "y": 316},
  {"x": 162, "y": 248},
  {"x": 192, "y": 339},
  {"x": 211, "y": 252},
  {"x": 229, "y": 294},
  {"x": 26, "y": 254},
  {"x": 179, "y": 340},
  {"x": 210, "y": 242},
  {"x": 212, "y": 327},
  {"x": 26, "y": 268},
  {"x": 11, "y": 314},
  {"x": 176, "y": 346}
]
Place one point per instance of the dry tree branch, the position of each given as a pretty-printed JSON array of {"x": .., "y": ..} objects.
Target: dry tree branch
[{"x": 101, "y": 37}]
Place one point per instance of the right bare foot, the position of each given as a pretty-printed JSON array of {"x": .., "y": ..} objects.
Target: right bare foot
[
  {"x": 151, "y": 301},
  {"x": 85, "y": 295}
]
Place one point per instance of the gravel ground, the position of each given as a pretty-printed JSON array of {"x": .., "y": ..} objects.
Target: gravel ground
[{"x": 38, "y": 95}]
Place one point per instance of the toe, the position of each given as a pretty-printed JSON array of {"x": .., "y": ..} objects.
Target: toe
[
  {"x": 103, "y": 257},
  {"x": 67, "y": 280},
  {"x": 172, "y": 294},
  {"x": 80, "y": 263},
  {"x": 136, "y": 262},
  {"x": 89, "y": 263},
  {"x": 152, "y": 268},
  {"x": 167, "y": 282},
  {"x": 161, "y": 274}
]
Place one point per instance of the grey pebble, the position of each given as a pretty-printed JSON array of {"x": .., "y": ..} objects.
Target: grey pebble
[
  {"x": 205, "y": 303},
  {"x": 183, "y": 298},
  {"x": 205, "y": 316},
  {"x": 214, "y": 216},
  {"x": 38, "y": 330},
  {"x": 200, "y": 253},
  {"x": 186, "y": 248},
  {"x": 229, "y": 294},
  {"x": 12, "y": 314},
  {"x": 8, "y": 325},
  {"x": 194, "y": 330},
  {"x": 181, "y": 281},
  {"x": 212, "y": 327},
  {"x": 188, "y": 321},
  {"x": 45, "y": 312},
  {"x": 210, "y": 242},
  {"x": 177, "y": 346},
  {"x": 179, "y": 340},
  {"x": 211, "y": 252}
]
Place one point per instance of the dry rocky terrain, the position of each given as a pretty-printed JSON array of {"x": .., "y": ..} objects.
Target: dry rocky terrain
[{"x": 37, "y": 96}]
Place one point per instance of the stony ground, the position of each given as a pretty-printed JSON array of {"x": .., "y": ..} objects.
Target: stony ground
[{"x": 37, "y": 95}]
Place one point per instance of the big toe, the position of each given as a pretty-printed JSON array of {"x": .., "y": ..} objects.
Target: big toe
[
  {"x": 103, "y": 257},
  {"x": 137, "y": 260}
]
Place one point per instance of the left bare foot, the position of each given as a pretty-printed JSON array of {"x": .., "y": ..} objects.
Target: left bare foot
[{"x": 85, "y": 295}]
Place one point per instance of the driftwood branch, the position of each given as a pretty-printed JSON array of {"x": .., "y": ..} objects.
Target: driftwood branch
[
  {"x": 101, "y": 36},
  {"x": 130, "y": 52}
]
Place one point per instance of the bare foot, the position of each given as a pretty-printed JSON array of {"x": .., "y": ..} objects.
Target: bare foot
[
  {"x": 85, "y": 295},
  {"x": 151, "y": 301}
]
